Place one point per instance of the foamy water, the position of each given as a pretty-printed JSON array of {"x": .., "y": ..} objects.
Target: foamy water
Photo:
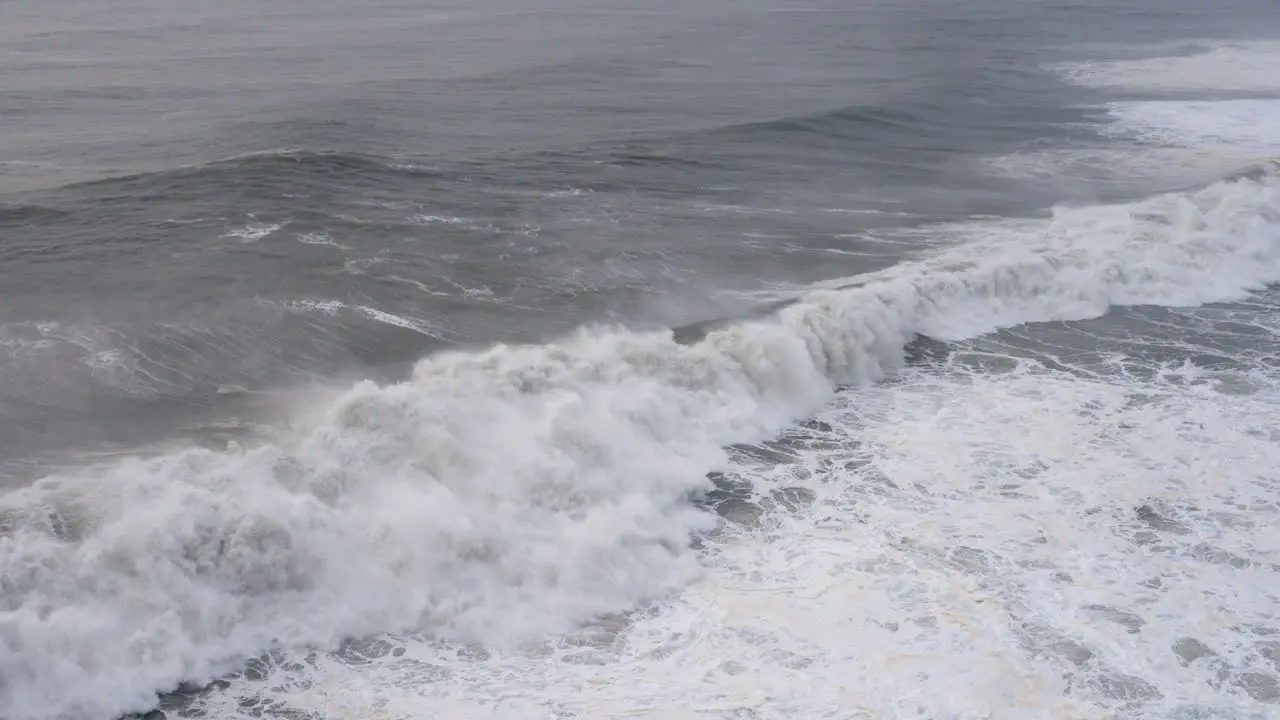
[
  {"x": 1247, "y": 125},
  {"x": 253, "y": 232},
  {"x": 1242, "y": 66},
  {"x": 987, "y": 536},
  {"x": 960, "y": 544},
  {"x": 1181, "y": 139}
]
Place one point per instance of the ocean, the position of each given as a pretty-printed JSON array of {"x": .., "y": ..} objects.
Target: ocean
[{"x": 563, "y": 359}]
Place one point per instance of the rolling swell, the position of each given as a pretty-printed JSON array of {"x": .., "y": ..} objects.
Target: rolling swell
[
  {"x": 18, "y": 216},
  {"x": 286, "y": 166},
  {"x": 244, "y": 181},
  {"x": 500, "y": 495},
  {"x": 662, "y": 163}
]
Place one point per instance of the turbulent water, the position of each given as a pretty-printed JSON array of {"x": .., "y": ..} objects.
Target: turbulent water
[{"x": 619, "y": 359}]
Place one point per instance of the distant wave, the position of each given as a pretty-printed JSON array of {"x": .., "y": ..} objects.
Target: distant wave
[{"x": 281, "y": 165}]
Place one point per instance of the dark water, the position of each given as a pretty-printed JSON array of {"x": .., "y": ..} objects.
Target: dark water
[
  {"x": 181, "y": 186},
  {"x": 208, "y": 211}
]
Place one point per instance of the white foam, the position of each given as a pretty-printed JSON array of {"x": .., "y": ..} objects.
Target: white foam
[
  {"x": 962, "y": 545},
  {"x": 253, "y": 232},
  {"x": 1239, "y": 67},
  {"x": 439, "y": 220},
  {"x": 334, "y": 307},
  {"x": 416, "y": 325},
  {"x": 505, "y": 495},
  {"x": 569, "y": 192},
  {"x": 1198, "y": 139},
  {"x": 1239, "y": 126},
  {"x": 1134, "y": 163},
  {"x": 320, "y": 238},
  {"x": 326, "y": 307},
  {"x": 744, "y": 210}
]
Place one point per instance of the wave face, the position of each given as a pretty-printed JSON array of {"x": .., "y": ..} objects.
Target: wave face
[{"x": 501, "y": 496}]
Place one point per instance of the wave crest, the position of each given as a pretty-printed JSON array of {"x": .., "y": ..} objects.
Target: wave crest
[{"x": 501, "y": 495}]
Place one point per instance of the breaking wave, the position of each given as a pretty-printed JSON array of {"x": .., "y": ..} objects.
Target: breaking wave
[{"x": 502, "y": 495}]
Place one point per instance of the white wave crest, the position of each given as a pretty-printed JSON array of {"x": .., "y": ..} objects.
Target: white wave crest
[{"x": 502, "y": 495}]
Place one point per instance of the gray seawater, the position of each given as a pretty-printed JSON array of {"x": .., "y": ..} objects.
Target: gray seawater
[{"x": 350, "y": 325}]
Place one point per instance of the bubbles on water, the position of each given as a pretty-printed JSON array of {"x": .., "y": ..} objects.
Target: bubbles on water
[
  {"x": 253, "y": 232},
  {"x": 958, "y": 543},
  {"x": 320, "y": 238},
  {"x": 1241, "y": 67},
  {"x": 1241, "y": 128}
]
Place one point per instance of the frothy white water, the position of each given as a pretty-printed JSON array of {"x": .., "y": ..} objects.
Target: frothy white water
[
  {"x": 1183, "y": 140},
  {"x": 253, "y": 232},
  {"x": 1137, "y": 163},
  {"x": 1242, "y": 126},
  {"x": 334, "y": 307},
  {"x": 320, "y": 238},
  {"x": 504, "y": 496},
  {"x": 1021, "y": 544},
  {"x": 1240, "y": 67}
]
